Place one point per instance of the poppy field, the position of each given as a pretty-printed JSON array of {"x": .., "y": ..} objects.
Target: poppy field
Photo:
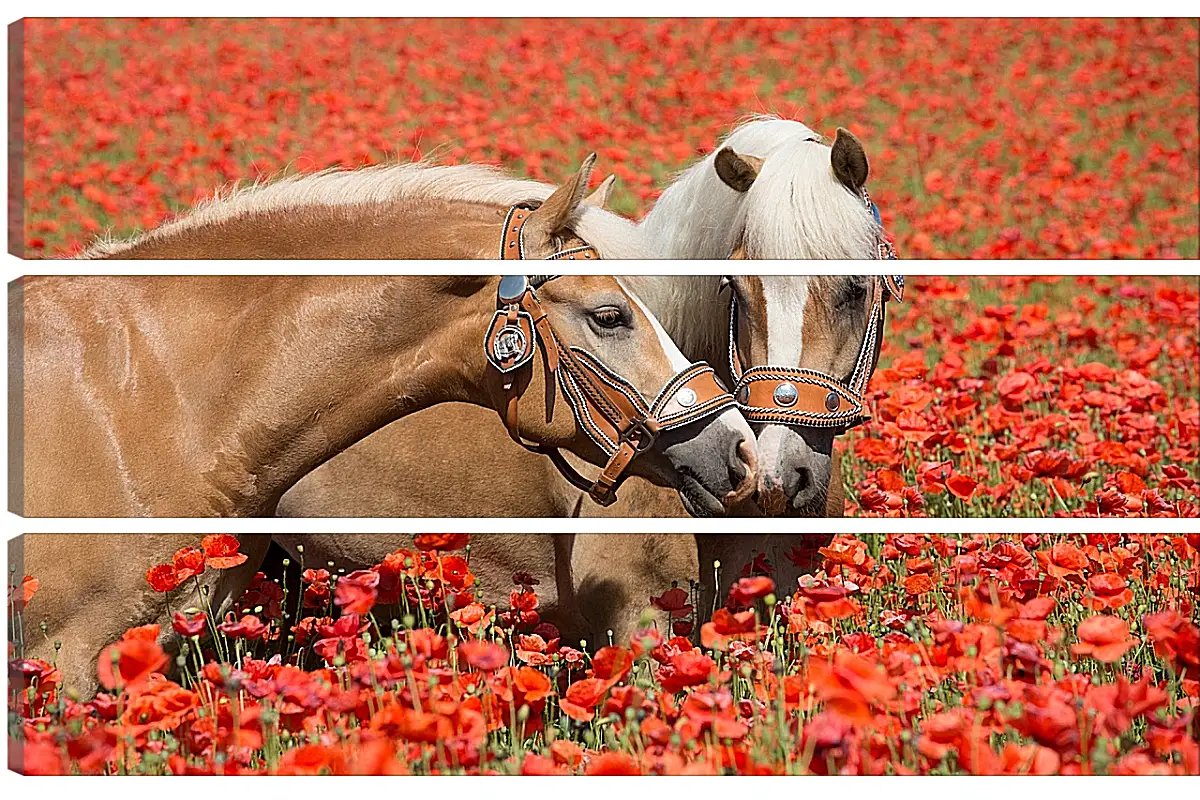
[
  {"x": 1033, "y": 396},
  {"x": 989, "y": 138},
  {"x": 903, "y": 653}
]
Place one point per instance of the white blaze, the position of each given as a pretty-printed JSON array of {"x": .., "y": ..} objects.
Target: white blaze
[
  {"x": 677, "y": 359},
  {"x": 785, "y": 297}
]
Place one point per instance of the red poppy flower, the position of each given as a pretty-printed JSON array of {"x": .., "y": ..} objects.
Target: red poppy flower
[
  {"x": 727, "y": 626},
  {"x": 581, "y": 698},
  {"x": 188, "y": 563},
  {"x": 534, "y": 685},
  {"x": 747, "y": 590},
  {"x": 248, "y": 627},
  {"x": 674, "y": 601},
  {"x": 1109, "y": 591},
  {"x": 688, "y": 668},
  {"x": 29, "y": 587},
  {"x": 918, "y": 584},
  {"x": 162, "y": 578},
  {"x": 221, "y": 551},
  {"x": 612, "y": 763},
  {"x": 129, "y": 663},
  {"x": 1063, "y": 560},
  {"x": 1176, "y": 640},
  {"x": 357, "y": 592},
  {"x": 441, "y": 541},
  {"x": 612, "y": 664},
  {"x": 644, "y": 641},
  {"x": 1103, "y": 638},
  {"x": 961, "y": 486},
  {"x": 566, "y": 753},
  {"x": 483, "y": 656},
  {"x": 535, "y": 764},
  {"x": 850, "y": 685},
  {"x": 189, "y": 627}
]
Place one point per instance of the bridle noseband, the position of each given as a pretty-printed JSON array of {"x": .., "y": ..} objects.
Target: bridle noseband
[
  {"x": 606, "y": 406},
  {"x": 807, "y": 398}
]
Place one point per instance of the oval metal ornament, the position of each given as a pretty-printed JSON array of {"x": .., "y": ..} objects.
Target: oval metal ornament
[
  {"x": 510, "y": 343},
  {"x": 832, "y": 402},
  {"x": 686, "y": 397},
  {"x": 512, "y": 288},
  {"x": 786, "y": 395}
]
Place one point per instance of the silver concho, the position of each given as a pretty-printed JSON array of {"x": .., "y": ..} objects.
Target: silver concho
[
  {"x": 512, "y": 288},
  {"x": 832, "y": 402},
  {"x": 510, "y": 343},
  {"x": 686, "y": 397},
  {"x": 786, "y": 395}
]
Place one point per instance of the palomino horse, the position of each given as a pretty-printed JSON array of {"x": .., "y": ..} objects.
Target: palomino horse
[
  {"x": 775, "y": 192},
  {"x": 253, "y": 382}
]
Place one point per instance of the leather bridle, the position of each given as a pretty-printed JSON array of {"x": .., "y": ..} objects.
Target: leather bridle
[
  {"x": 808, "y": 398},
  {"x": 606, "y": 406},
  {"x": 512, "y": 242}
]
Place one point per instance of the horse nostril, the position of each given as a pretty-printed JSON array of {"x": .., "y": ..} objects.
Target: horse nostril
[
  {"x": 743, "y": 473},
  {"x": 805, "y": 479}
]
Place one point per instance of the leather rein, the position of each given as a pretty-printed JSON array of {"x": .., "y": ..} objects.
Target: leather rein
[{"x": 606, "y": 406}]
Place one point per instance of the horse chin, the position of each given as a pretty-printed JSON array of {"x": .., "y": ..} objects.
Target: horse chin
[
  {"x": 698, "y": 501},
  {"x": 813, "y": 508}
]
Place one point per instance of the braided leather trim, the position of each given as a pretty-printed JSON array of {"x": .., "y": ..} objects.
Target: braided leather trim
[
  {"x": 583, "y": 413},
  {"x": 599, "y": 370},
  {"x": 679, "y": 419},
  {"x": 793, "y": 417}
]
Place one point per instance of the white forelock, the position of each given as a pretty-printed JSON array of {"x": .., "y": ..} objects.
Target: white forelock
[{"x": 796, "y": 208}]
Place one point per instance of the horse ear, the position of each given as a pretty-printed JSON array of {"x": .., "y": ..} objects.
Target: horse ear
[
  {"x": 601, "y": 194},
  {"x": 737, "y": 171},
  {"x": 552, "y": 215},
  {"x": 848, "y": 160}
]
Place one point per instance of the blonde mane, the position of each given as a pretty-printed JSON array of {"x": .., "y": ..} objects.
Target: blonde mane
[{"x": 611, "y": 235}]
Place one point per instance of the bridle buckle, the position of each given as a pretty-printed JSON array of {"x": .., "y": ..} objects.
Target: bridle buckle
[{"x": 642, "y": 434}]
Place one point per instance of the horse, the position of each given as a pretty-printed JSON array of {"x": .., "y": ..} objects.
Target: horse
[
  {"x": 771, "y": 190},
  {"x": 256, "y": 381}
]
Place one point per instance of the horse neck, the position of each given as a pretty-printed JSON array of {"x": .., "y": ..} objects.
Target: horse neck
[
  {"x": 312, "y": 365},
  {"x": 397, "y": 229},
  {"x": 692, "y": 309}
]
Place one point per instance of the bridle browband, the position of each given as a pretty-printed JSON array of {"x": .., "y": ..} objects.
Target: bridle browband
[
  {"x": 609, "y": 408},
  {"x": 808, "y": 398}
]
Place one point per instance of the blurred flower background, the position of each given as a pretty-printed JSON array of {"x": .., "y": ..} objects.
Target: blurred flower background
[{"x": 989, "y": 138}]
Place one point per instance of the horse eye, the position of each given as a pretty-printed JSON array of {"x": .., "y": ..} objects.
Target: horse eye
[
  {"x": 608, "y": 317},
  {"x": 854, "y": 295}
]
